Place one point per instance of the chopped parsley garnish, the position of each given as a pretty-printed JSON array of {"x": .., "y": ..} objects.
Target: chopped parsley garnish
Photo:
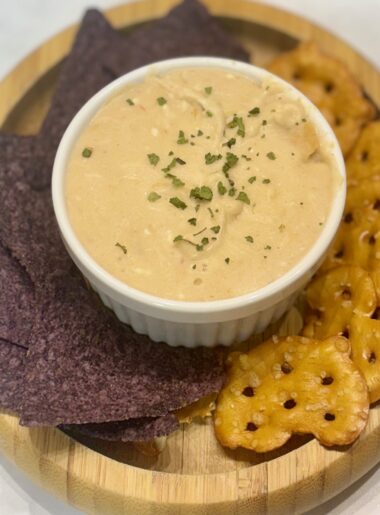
[
  {"x": 252, "y": 179},
  {"x": 211, "y": 212},
  {"x": 205, "y": 241},
  {"x": 221, "y": 188},
  {"x": 266, "y": 181},
  {"x": 181, "y": 138},
  {"x": 178, "y": 203},
  {"x": 246, "y": 157},
  {"x": 243, "y": 197},
  {"x": 171, "y": 153},
  {"x": 153, "y": 196},
  {"x": 254, "y": 112},
  {"x": 122, "y": 247},
  {"x": 267, "y": 247},
  {"x": 200, "y": 232},
  {"x": 179, "y": 237},
  {"x": 271, "y": 156},
  {"x": 130, "y": 102},
  {"x": 171, "y": 165},
  {"x": 264, "y": 122},
  {"x": 199, "y": 133},
  {"x": 161, "y": 101},
  {"x": 209, "y": 114},
  {"x": 232, "y": 192},
  {"x": 153, "y": 159},
  {"x": 208, "y": 90},
  {"x": 211, "y": 158},
  {"x": 281, "y": 227},
  {"x": 215, "y": 229},
  {"x": 202, "y": 193},
  {"x": 230, "y": 143},
  {"x": 237, "y": 121},
  {"x": 180, "y": 161},
  {"x": 231, "y": 161},
  {"x": 176, "y": 181},
  {"x": 194, "y": 267},
  {"x": 249, "y": 238},
  {"x": 192, "y": 221},
  {"x": 227, "y": 260},
  {"x": 86, "y": 152}
]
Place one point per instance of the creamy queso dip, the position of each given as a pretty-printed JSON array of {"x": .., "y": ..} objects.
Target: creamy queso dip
[{"x": 200, "y": 184}]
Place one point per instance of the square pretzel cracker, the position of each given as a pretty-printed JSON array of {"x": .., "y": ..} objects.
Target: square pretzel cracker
[
  {"x": 329, "y": 84},
  {"x": 365, "y": 342},
  {"x": 334, "y": 297},
  {"x": 363, "y": 161},
  {"x": 291, "y": 385}
]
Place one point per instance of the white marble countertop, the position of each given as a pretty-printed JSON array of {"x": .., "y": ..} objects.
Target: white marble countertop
[{"x": 24, "y": 25}]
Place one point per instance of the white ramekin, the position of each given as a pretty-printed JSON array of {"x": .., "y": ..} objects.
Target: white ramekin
[{"x": 193, "y": 323}]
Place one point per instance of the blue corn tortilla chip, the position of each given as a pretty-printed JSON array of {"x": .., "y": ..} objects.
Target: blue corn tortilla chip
[
  {"x": 136, "y": 429},
  {"x": 17, "y": 300},
  {"x": 84, "y": 366},
  {"x": 12, "y": 358},
  {"x": 100, "y": 54}
]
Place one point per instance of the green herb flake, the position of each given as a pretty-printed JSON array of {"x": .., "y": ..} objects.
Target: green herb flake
[
  {"x": 215, "y": 229},
  {"x": 208, "y": 90},
  {"x": 271, "y": 156},
  {"x": 170, "y": 166},
  {"x": 252, "y": 179},
  {"x": 209, "y": 114},
  {"x": 205, "y": 241},
  {"x": 178, "y": 203},
  {"x": 231, "y": 161},
  {"x": 244, "y": 156},
  {"x": 211, "y": 158},
  {"x": 266, "y": 181},
  {"x": 176, "y": 181},
  {"x": 230, "y": 143},
  {"x": 227, "y": 260},
  {"x": 254, "y": 112},
  {"x": 122, "y": 247},
  {"x": 86, "y": 152},
  {"x": 199, "y": 133},
  {"x": 200, "y": 232},
  {"x": 249, "y": 239},
  {"x": 153, "y": 159},
  {"x": 192, "y": 221},
  {"x": 161, "y": 101},
  {"x": 237, "y": 121},
  {"x": 153, "y": 196},
  {"x": 232, "y": 192},
  {"x": 243, "y": 197},
  {"x": 281, "y": 227},
  {"x": 202, "y": 193},
  {"x": 267, "y": 247},
  {"x": 221, "y": 188},
  {"x": 211, "y": 212},
  {"x": 264, "y": 122},
  {"x": 130, "y": 102},
  {"x": 180, "y": 161},
  {"x": 178, "y": 238},
  {"x": 194, "y": 267},
  {"x": 182, "y": 140}
]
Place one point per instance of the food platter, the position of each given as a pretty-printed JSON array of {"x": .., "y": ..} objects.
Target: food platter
[{"x": 193, "y": 474}]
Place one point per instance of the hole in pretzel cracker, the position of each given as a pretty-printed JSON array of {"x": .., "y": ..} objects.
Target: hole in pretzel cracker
[
  {"x": 346, "y": 293},
  {"x": 376, "y": 205},
  {"x": 339, "y": 254},
  {"x": 286, "y": 368},
  {"x": 372, "y": 358},
  {"x": 248, "y": 391},
  {"x": 364, "y": 155},
  {"x": 329, "y": 87},
  {"x": 346, "y": 333},
  {"x": 290, "y": 404},
  {"x": 296, "y": 75},
  {"x": 251, "y": 427},
  {"x": 372, "y": 240},
  {"x": 329, "y": 417},
  {"x": 327, "y": 380},
  {"x": 348, "y": 218},
  {"x": 338, "y": 121}
]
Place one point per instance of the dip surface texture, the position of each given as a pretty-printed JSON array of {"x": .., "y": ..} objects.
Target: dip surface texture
[{"x": 200, "y": 184}]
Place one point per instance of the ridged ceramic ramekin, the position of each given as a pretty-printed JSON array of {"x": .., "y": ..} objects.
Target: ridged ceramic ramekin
[{"x": 194, "y": 323}]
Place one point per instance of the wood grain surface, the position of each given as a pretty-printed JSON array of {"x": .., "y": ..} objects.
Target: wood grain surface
[{"x": 193, "y": 475}]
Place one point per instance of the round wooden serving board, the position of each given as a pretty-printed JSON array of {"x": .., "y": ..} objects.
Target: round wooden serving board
[{"x": 193, "y": 475}]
